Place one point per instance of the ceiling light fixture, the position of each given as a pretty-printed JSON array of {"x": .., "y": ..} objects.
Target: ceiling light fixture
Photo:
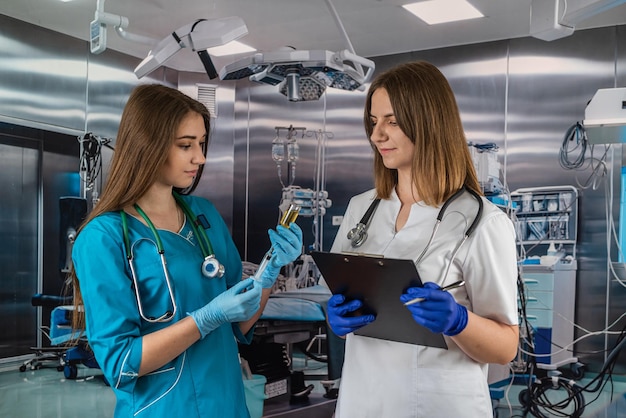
[
  {"x": 304, "y": 75},
  {"x": 434, "y": 12}
]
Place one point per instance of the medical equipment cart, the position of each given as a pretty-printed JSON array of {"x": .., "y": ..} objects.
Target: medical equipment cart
[{"x": 546, "y": 221}]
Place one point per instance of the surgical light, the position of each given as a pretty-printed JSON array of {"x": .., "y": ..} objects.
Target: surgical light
[
  {"x": 311, "y": 71},
  {"x": 297, "y": 87},
  {"x": 304, "y": 75},
  {"x": 292, "y": 87}
]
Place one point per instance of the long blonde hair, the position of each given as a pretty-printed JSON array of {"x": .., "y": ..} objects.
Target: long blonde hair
[
  {"x": 426, "y": 111},
  {"x": 147, "y": 130}
]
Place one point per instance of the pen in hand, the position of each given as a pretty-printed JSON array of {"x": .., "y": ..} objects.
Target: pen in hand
[{"x": 445, "y": 289}]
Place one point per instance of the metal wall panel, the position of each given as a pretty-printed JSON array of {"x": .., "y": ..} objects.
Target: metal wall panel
[
  {"x": 617, "y": 290},
  {"x": 218, "y": 176},
  {"x": 257, "y": 188},
  {"x": 521, "y": 94},
  {"x": 19, "y": 229},
  {"x": 110, "y": 81},
  {"x": 550, "y": 85},
  {"x": 334, "y": 122},
  {"x": 48, "y": 83},
  {"x": 348, "y": 169},
  {"x": 44, "y": 75}
]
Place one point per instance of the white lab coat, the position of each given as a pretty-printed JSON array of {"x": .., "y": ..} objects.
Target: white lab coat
[{"x": 389, "y": 379}]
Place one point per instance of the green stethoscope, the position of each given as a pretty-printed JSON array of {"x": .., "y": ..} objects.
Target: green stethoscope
[{"x": 211, "y": 267}]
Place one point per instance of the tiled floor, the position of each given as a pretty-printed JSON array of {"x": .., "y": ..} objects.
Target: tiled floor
[{"x": 45, "y": 393}]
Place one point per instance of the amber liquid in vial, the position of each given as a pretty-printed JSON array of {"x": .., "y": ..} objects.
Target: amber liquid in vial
[{"x": 290, "y": 215}]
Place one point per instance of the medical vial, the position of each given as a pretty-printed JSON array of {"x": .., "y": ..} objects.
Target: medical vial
[{"x": 290, "y": 215}]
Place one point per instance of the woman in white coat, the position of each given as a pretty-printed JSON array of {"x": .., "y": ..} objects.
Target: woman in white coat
[{"x": 421, "y": 159}]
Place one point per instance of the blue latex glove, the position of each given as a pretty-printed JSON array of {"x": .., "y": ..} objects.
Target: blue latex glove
[
  {"x": 341, "y": 324},
  {"x": 234, "y": 305},
  {"x": 438, "y": 312},
  {"x": 286, "y": 247}
]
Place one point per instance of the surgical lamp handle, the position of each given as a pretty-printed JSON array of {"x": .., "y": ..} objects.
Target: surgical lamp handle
[{"x": 346, "y": 55}]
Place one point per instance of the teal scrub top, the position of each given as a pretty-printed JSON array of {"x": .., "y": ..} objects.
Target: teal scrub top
[{"x": 205, "y": 380}]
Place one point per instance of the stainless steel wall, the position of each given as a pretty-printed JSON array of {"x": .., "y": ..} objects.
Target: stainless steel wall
[
  {"x": 218, "y": 176},
  {"x": 521, "y": 94},
  {"x": 550, "y": 85},
  {"x": 19, "y": 184},
  {"x": 257, "y": 188},
  {"x": 51, "y": 91}
]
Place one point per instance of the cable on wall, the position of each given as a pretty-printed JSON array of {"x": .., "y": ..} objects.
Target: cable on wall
[
  {"x": 573, "y": 156},
  {"x": 574, "y": 141}
]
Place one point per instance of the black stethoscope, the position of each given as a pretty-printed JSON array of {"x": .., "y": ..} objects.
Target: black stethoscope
[
  {"x": 358, "y": 234},
  {"x": 211, "y": 267}
]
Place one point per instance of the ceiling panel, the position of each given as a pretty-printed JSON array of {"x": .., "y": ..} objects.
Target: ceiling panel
[{"x": 374, "y": 27}]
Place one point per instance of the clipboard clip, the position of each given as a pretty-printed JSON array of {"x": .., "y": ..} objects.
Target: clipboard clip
[{"x": 362, "y": 254}]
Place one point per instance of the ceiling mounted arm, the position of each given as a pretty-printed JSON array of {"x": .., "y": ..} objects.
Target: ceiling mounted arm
[
  {"x": 339, "y": 23},
  {"x": 98, "y": 29},
  {"x": 197, "y": 36}
]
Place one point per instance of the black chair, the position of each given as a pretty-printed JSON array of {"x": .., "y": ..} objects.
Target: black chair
[
  {"x": 72, "y": 211},
  {"x": 47, "y": 354}
]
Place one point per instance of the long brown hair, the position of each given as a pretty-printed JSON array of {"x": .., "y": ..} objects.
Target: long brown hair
[
  {"x": 147, "y": 130},
  {"x": 426, "y": 111}
]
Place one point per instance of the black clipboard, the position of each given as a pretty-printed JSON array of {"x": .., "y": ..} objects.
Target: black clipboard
[{"x": 378, "y": 282}]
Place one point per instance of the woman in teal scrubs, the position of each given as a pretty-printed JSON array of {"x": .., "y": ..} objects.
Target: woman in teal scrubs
[{"x": 165, "y": 334}]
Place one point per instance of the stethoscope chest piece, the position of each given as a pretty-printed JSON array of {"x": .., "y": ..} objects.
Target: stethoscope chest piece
[
  {"x": 212, "y": 268},
  {"x": 357, "y": 235}
]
